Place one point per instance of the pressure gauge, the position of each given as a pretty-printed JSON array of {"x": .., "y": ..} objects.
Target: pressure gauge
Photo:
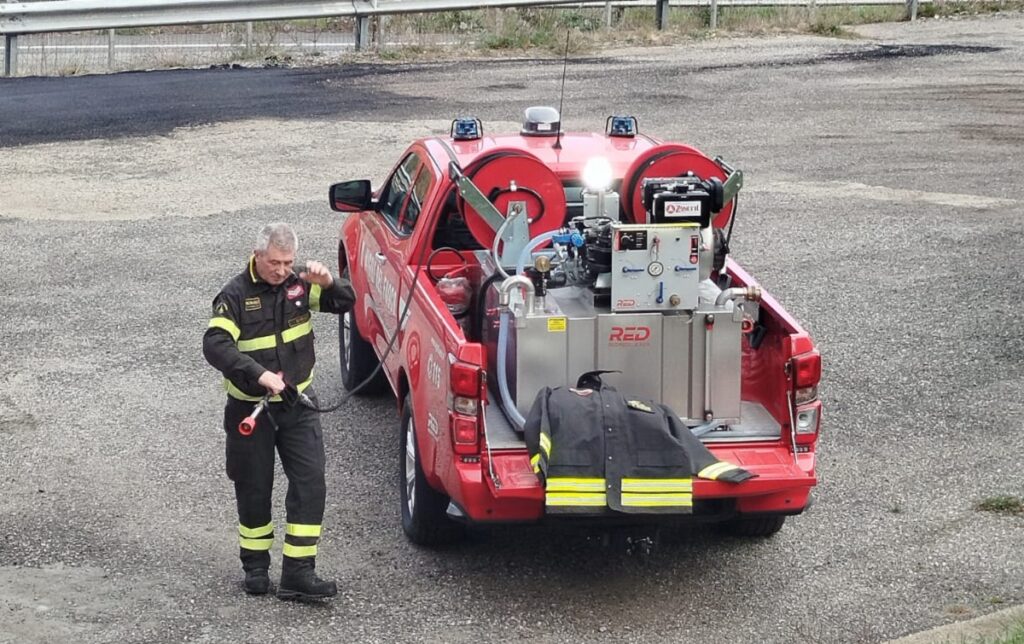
[{"x": 655, "y": 269}]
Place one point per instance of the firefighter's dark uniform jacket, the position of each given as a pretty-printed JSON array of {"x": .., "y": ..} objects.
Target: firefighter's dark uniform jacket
[
  {"x": 594, "y": 449},
  {"x": 256, "y": 327}
]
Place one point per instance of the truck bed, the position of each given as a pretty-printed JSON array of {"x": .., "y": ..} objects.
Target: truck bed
[{"x": 756, "y": 425}]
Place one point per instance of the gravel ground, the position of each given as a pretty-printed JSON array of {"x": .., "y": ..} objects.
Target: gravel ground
[{"x": 883, "y": 208}]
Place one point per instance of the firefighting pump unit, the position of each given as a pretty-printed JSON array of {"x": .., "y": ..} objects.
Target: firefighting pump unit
[{"x": 601, "y": 290}]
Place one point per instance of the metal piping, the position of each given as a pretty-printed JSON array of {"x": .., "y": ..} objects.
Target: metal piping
[
  {"x": 505, "y": 290},
  {"x": 749, "y": 293}
]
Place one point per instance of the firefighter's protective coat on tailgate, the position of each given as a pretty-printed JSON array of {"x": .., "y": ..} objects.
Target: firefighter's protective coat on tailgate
[{"x": 593, "y": 448}]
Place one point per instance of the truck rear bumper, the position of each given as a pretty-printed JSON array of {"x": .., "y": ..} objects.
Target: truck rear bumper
[{"x": 782, "y": 486}]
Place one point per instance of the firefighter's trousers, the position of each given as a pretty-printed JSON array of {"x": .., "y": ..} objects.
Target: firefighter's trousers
[{"x": 298, "y": 439}]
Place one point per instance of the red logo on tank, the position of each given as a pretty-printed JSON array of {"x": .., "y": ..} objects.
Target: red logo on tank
[{"x": 630, "y": 334}]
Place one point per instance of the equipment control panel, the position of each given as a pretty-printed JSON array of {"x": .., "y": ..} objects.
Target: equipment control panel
[{"x": 655, "y": 267}]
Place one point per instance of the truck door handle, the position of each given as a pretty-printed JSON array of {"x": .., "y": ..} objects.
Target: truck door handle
[{"x": 380, "y": 257}]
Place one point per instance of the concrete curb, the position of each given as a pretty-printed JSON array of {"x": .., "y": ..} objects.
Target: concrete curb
[{"x": 980, "y": 629}]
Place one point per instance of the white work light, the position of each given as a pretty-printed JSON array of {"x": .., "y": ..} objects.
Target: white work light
[{"x": 597, "y": 175}]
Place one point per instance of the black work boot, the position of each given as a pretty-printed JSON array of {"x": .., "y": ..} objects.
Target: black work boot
[
  {"x": 257, "y": 581},
  {"x": 299, "y": 581}
]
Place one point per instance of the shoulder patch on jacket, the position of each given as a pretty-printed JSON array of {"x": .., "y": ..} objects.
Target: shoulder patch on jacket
[
  {"x": 220, "y": 308},
  {"x": 640, "y": 405}
]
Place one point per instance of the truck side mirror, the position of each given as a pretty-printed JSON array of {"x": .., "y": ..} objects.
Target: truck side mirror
[{"x": 351, "y": 196}]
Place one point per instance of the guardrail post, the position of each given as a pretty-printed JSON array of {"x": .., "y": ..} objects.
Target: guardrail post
[
  {"x": 713, "y": 20},
  {"x": 248, "y": 36},
  {"x": 10, "y": 55},
  {"x": 362, "y": 32},
  {"x": 608, "y": 14},
  {"x": 661, "y": 14},
  {"x": 110, "y": 50},
  {"x": 912, "y": 9}
]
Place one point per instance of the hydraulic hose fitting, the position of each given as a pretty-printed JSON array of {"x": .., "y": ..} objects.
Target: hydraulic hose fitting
[
  {"x": 748, "y": 293},
  {"x": 513, "y": 282}
]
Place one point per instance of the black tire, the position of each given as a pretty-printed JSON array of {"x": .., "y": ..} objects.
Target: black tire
[
  {"x": 357, "y": 357},
  {"x": 756, "y": 526},
  {"x": 424, "y": 519}
]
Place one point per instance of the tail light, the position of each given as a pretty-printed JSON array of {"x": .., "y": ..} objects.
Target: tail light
[
  {"x": 806, "y": 374},
  {"x": 807, "y": 370},
  {"x": 465, "y": 379},
  {"x": 466, "y": 383},
  {"x": 807, "y": 415}
]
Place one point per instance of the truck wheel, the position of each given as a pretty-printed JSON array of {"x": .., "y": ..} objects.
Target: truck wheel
[
  {"x": 357, "y": 357},
  {"x": 423, "y": 508},
  {"x": 757, "y": 526}
]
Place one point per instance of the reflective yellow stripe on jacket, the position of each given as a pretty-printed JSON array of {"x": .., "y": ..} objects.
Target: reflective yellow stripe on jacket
[
  {"x": 226, "y": 325},
  {"x": 567, "y": 492},
  {"x": 238, "y": 394},
  {"x": 270, "y": 341}
]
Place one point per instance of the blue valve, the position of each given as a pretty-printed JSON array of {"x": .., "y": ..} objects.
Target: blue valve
[
  {"x": 661, "y": 293},
  {"x": 680, "y": 269},
  {"x": 627, "y": 269},
  {"x": 573, "y": 238}
]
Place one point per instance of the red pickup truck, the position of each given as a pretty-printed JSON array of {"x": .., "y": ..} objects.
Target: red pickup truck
[{"x": 488, "y": 268}]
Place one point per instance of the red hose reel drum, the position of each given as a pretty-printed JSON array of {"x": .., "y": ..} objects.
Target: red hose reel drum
[
  {"x": 668, "y": 160},
  {"x": 536, "y": 184}
]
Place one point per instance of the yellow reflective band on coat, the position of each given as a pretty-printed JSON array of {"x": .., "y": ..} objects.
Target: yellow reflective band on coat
[
  {"x": 564, "y": 484},
  {"x": 238, "y": 394},
  {"x": 314, "y": 297},
  {"x": 255, "y": 344},
  {"x": 226, "y": 325},
  {"x": 270, "y": 341},
  {"x": 256, "y": 544},
  {"x": 717, "y": 469},
  {"x": 656, "y": 500},
  {"x": 545, "y": 444},
  {"x": 535, "y": 462},
  {"x": 297, "y": 552},
  {"x": 256, "y": 533},
  {"x": 566, "y": 499},
  {"x": 302, "y": 530},
  {"x": 657, "y": 485}
]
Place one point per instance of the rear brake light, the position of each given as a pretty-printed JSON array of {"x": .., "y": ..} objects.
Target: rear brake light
[
  {"x": 464, "y": 434},
  {"x": 807, "y": 370},
  {"x": 465, "y": 380}
]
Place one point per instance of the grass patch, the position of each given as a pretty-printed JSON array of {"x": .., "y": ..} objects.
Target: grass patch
[
  {"x": 1015, "y": 635},
  {"x": 1001, "y": 505}
]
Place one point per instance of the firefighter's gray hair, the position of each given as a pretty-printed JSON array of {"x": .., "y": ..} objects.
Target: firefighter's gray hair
[{"x": 280, "y": 235}]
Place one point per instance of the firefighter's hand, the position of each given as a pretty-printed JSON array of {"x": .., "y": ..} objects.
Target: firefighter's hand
[
  {"x": 273, "y": 382},
  {"x": 317, "y": 273}
]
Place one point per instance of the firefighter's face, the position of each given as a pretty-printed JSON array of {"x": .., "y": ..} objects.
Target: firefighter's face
[{"x": 274, "y": 265}]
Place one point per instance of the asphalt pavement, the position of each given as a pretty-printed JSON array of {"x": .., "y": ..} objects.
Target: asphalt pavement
[{"x": 883, "y": 207}]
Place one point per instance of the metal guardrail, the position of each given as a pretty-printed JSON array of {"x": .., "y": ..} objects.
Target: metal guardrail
[{"x": 21, "y": 18}]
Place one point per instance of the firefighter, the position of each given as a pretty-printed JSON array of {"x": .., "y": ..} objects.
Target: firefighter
[{"x": 261, "y": 339}]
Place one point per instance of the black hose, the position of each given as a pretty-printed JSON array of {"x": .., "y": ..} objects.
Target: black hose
[{"x": 387, "y": 350}]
